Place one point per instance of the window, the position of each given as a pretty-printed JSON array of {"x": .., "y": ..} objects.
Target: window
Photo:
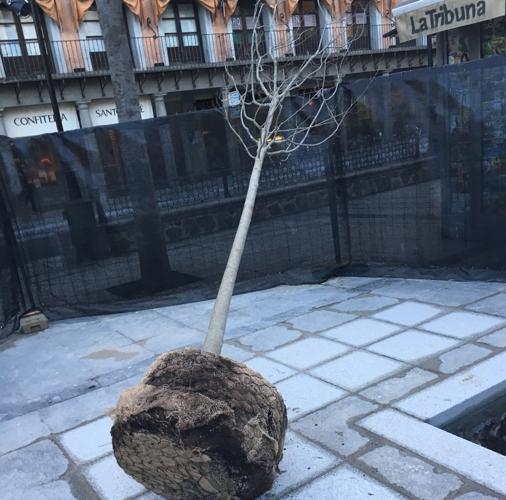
[
  {"x": 180, "y": 30},
  {"x": 305, "y": 27},
  {"x": 357, "y": 20},
  {"x": 93, "y": 44},
  {"x": 19, "y": 48},
  {"x": 243, "y": 22},
  {"x": 494, "y": 37}
]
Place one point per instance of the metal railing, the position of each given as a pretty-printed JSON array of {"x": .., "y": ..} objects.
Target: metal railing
[{"x": 20, "y": 61}]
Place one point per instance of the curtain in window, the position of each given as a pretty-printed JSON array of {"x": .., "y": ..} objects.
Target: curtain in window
[
  {"x": 283, "y": 9},
  {"x": 67, "y": 14},
  {"x": 385, "y": 7},
  {"x": 148, "y": 11},
  {"x": 221, "y": 11},
  {"x": 220, "y": 8}
]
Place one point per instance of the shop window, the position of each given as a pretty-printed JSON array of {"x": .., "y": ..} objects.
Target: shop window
[
  {"x": 49, "y": 178},
  {"x": 494, "y": 37}
]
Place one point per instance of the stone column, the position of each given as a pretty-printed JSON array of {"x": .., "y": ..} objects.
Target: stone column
[
  {"x": 160, "y": 108},
  {"x": 2, "y": 126},
  {"x": 83, "y": 107}
]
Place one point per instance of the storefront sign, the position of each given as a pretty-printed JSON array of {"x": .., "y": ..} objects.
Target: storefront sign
[
  {"x": 426, "y": 17},
  {"x": 103, "y": 112},
  {"x": 34, "y": 120}
]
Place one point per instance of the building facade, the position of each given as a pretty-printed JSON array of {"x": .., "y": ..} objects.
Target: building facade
[{"x": 179, "y": 49}]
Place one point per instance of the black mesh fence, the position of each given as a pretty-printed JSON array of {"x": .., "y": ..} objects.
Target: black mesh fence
[{"x": 140, "y": 214}]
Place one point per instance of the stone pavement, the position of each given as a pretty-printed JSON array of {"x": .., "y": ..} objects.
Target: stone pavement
[{"x": 367, "y": 367}]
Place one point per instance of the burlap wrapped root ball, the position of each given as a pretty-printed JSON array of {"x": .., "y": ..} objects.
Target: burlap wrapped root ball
[{"x": 200, "y": 426}]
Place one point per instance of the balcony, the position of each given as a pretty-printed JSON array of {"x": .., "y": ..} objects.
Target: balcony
[{"x": 88, "y": 56}]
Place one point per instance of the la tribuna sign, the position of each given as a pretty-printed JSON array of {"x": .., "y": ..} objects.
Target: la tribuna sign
[{"x": 425, "y": 17}]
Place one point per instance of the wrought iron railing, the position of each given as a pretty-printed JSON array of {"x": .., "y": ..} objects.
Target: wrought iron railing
[{"x": 19, "y": 61}]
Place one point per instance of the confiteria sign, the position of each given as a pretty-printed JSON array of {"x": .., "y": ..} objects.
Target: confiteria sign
[{"x": 426, "y": 17}]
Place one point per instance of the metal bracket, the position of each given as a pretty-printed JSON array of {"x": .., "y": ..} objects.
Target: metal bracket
[
  {"x": 61, "y": 88},
  {"x": 40, "y": 89},
  {"x": 159, "y": 80},
  {"x": 177, "y": 78},
  {"x": 82, "y": 86},
  {"x": 351, "y": 63},
  {"x": 103, "y": 83},
  {"x": 141, "y": 81},
  {"x": 364, "y": 64},
  {"x": 17, "y": 90},
  {"x": 195, "y": 75},
  {"x": 210, "y": 76}
]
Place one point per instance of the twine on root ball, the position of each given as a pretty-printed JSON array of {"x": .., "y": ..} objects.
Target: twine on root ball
[{"x": 200, "y": 426}]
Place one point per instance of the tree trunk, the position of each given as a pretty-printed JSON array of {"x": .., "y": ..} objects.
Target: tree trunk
[
  {"x": 119, "y": 57},
  {"x": 218, "y": 321},
  {"x": 151, "y": 247}
]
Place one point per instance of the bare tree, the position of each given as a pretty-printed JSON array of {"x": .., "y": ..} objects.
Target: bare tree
[
  {"x": 273, "y": 123},
  {"x": 199, "y": 425}
]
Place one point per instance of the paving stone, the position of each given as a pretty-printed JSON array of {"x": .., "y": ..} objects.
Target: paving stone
[
  {"x": 365, "y": 304},
  {"x": 396, "y": 387},
  {"x": 320, "y": 295},
  {"x": 474, "y": 495},
  {"x": 330, "y": 426},
  {"x": 61, "y": 360},
  {"x": 140, "y": 325},
  {"x": 272, "y": 371},
  {"x": 408, "y": 313},
  {"x": 353, "y": 281},
  {"x": 89, "y": 441},
  {"x": 357, "y": 369},
  {"x": 301, "y": 462},
  {"x": 235, "y": 353},
  {"x": 35, "y": 465},
  {"x": 308, "y": 352},
  {"x": 150, "y": 496},
  {"x": 21, "y": 431},
  {"x": 466, "y": 355},
  {"x": 446, "y": 400},
  {"x": 317, "y": 321},
  {"x": 491, "y": 305},
  {"x": 75, "y": 411},
  {"x": 361, "y": 331},
  {"x": 462, "y": 324},
  {"x": 412, "y": 345},
  {"x": 58, "y": 490},
  {"x": 496, "y": 339},
  {"x": 303, "y": 394},
  {"x": 110, "y": 481},
  {"x": 440, "y": 292},
  {"x": 463, "y": 457},
  {"x": 269, "y": 338},
  {"x": 122, "y": 374},
  {"x": 414, "y": 475},
  {"x": 181, "y": 337},
  {"x": 345, "y": 483}
]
